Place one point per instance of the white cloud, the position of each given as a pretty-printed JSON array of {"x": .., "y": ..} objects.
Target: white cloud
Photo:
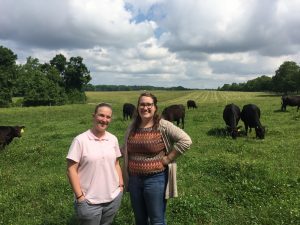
[
  {"x": 71, "y": 24},
  {"x": 196, "y": 44},
  {"x": 150, "y": 50}
]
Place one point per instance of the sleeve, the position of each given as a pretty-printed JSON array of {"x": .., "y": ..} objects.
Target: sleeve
[
  {"x": 75, "y": 151},
  {"x": 117, "y": 148},
  {"x": 127, "y": 133},
  {"x": 180, "y": 139}
]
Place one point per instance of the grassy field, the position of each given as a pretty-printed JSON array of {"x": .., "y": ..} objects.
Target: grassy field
[{"x": 220, "y": 180}]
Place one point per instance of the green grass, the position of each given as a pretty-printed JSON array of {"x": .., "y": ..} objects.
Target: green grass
[{"x": 220, "y": 180}]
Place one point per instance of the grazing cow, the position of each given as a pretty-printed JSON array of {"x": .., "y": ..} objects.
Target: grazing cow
[
  {"x": 250, "y": 115},
  {"x": 174, "y": 113},
  {"x": 231, "y": 116},
  {"x": 191, "y": 104},
  {"x": 128, "y": 111},
  {"x": 8, "y": 133},
  {"x": 291, "y": 101}
]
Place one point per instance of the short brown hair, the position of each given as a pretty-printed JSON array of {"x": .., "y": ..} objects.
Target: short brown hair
[{"x": 103, "y": 104}]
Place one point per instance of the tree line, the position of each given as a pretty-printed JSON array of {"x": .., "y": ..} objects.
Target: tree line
[
  {"x": 57, "y": 82},
  {"x": 61, "y": 81},
  {"x": 286, "y": 80},
  {"x": 91, "y": 87}
]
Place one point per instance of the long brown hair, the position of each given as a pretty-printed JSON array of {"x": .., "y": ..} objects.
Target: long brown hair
[{"x": 138, "y": 119}]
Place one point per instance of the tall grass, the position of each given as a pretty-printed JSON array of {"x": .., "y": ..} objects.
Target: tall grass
[{"x": 220, "y": 180}]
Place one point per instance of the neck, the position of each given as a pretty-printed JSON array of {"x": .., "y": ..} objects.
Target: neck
[
  {"x": 98, "y": 133},
  {"x": 146, "y": 123}
]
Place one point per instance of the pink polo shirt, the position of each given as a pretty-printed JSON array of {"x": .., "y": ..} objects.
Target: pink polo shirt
[{"x": 98, "y": 177}]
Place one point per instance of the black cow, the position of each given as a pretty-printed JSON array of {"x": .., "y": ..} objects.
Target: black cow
[
  {"x": 250, "y": 115},
  {"x": 291, "y": 101},
  {"x": 174, "y": 113},
  {"x": 128, "y": 111},
  {"x": 191, "y": 104},
  {"x": 231, "y": 116},
  {"x": 8, "y": 133}
]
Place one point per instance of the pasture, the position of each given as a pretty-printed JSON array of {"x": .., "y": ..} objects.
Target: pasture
[{"x": 220, "y": 181}]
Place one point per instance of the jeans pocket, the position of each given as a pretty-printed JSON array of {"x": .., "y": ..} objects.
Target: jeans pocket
[{"x": 83, "y": 210}]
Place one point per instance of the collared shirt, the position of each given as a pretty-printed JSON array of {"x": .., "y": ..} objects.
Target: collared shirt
[{"x": 97, "y": 173}]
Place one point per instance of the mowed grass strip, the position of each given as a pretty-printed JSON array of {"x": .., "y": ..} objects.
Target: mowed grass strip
[{"x": 220, "y": 180}]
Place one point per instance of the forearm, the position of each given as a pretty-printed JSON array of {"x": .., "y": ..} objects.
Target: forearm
[
  {"x": 170, "y": 157},
  {"x": 175, "y": 138},
  {"x": 119, "y": 172},
  {"x": 74, "y": 180}
]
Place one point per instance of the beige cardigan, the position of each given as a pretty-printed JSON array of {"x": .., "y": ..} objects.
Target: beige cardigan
[{"x": 174, "y": 138}]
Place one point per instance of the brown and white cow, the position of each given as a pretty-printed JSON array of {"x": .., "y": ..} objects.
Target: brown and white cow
[{"x": 8, "y": 133}]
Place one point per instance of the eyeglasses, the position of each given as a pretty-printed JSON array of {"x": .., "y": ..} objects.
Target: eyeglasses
[{"x": 147, "y": 105}]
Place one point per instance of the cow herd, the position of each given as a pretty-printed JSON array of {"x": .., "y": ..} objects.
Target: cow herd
[{"x": 250, "y": 115}]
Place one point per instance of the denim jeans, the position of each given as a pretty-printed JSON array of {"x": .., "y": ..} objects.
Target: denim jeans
[{"x": 147, "y": 195}]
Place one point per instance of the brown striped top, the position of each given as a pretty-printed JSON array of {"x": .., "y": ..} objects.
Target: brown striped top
[{"x": 145, "y": 151}]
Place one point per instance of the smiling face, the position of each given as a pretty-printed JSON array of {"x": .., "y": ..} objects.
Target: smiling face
[
  {"x": 101, "y": 119},
  {"x": 146, "y": 108}
]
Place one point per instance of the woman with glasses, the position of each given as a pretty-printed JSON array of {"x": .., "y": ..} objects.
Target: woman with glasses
[{"x": 151, "y": 146}]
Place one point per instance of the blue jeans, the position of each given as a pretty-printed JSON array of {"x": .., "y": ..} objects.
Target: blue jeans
[{"x": 147, "y": 195}]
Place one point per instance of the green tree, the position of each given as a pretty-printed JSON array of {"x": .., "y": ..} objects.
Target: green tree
[
  {"x": 7, "y": 75},
  {"x": 225, "y": 87},
  {"x": 52, "y": 73},
  {"x": 7, "y": 58},
  {"x": 235, "y": 87},
  {"x": 262, "y": 83},
  {"x": 42, "y": 84},
  {"x": 285, "y": 79},
  {"x": 59, "y": 62},
  {"x": 24, "y": 76},
  {"x": 51, "y": 83},
  {"x": 76, "y": 75},
  {"x": 296, "y": 78},
  {"x": 44, "y": 92}
]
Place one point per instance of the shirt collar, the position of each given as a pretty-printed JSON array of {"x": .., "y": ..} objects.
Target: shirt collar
[{"x": 91, "y": 136}]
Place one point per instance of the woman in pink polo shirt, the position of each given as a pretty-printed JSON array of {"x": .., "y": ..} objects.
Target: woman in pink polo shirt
[{"x": 94, "y": 171}]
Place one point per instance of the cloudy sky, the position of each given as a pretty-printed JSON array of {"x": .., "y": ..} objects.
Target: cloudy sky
[{"x": 192, "y": 43}]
